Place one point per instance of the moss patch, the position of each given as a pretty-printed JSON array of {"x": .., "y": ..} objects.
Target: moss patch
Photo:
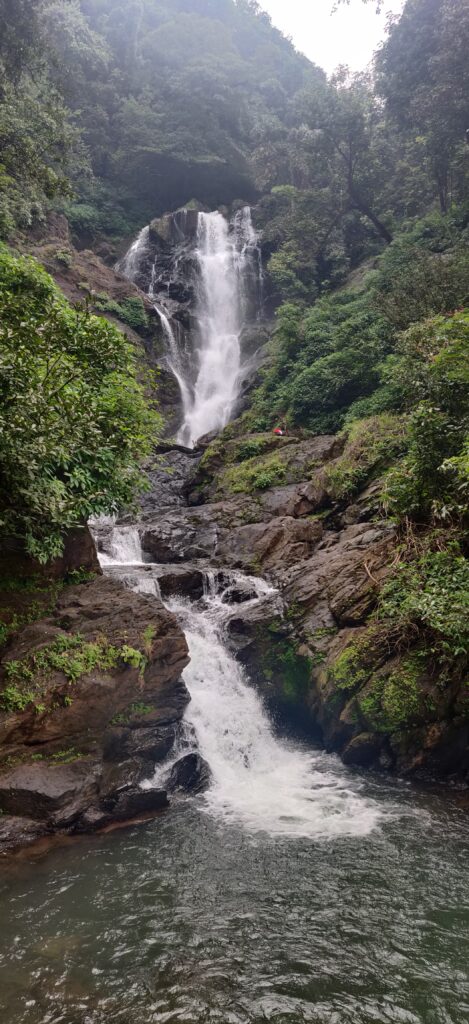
[
  {"x": 392, "y": 703},
  {"x": 349, "y": 671},
  {"x": 23, "y": 602},
  {"x": 137, "y": 710},
  {"x": 254, "y": 475},
  {"x": 283, "y": 666},
  {"x": 71, "y": 656},
  {"x": 131, "y": 311}
]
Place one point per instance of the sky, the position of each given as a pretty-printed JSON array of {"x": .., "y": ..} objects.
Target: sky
[{"x": 347, "y": 37}]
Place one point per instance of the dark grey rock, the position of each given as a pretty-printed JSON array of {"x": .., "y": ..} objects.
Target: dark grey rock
[{"x": 191, "y": 774}]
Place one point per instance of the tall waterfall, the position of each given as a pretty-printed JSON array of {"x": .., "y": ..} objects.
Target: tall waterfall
[
  {"x": 225, "y": 261},
  {"x": 219, "y": 307}
]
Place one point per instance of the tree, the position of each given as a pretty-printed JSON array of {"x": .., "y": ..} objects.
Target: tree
[
  {"x": 74, "y": 423},
  {"x": 347, "y": 139},
  {"x": 35, "y": 136},
  {"x": 423, "y": 74},
  {"x": 20, "y": 46},
  {"x": 433, "y": 375}
]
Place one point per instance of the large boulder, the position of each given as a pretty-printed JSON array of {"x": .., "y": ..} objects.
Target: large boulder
[
  {"x": 91, "y": 698},
  {"x": 272, "y": 546},
  {"x": 191, "y": 774},
  {"x": 79, "y": 553}
]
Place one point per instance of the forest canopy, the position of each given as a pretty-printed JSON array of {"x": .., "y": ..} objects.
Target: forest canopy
[{"x": 114, "y": 111}]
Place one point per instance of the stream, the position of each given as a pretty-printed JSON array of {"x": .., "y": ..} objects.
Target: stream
[{"x": 293, "y": 890}]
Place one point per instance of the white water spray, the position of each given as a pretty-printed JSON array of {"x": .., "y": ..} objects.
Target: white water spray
[
  {"x": 129, "y": 266},
  {"x": 119, "y": 545},
  {"x": 221, "y": 301},
  {"x": 174, "y": 359},
  {"x": 259, "y": 781}
]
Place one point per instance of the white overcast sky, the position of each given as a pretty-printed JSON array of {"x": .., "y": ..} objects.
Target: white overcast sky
[{"x": 349, "y": 36}]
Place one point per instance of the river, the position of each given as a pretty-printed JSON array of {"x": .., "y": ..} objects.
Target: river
[{"x": 193, "y": 918}]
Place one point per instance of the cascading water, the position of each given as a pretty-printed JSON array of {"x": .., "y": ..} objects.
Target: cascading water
[
  {"x": 126, "y": 548},
  {"x": 129, "y": 266},
  {"x": 263, "y": 783},
  {"x": 174, "y": 361},
  {"x": 259, "y": 781},
  {"x": 219, "y": 313},
  {"x": 226, "y": 271},
  {"x": 270, "y": 897}
]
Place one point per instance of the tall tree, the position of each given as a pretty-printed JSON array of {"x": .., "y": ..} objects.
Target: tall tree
[{"x": 423, "y": 74}]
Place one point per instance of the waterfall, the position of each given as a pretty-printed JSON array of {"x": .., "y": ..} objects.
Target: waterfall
[
  {"x": 258, "y": 781},
  {"x": 226, "y": 275},
  {"x": 117, "y": 545},
  {"x": 174, "y": 360},
  {"x": 129, "y": 266},
  {"x": 219, "y": 308}
]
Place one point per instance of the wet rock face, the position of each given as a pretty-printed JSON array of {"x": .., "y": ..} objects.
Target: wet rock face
[
  {"x": 170, "y": 476},
  {"x": 191, "y": 774},
  {"x": 329, "y": 559},
  {"x": 79, "y": 553},
  {"x": 75, "y": 748}
]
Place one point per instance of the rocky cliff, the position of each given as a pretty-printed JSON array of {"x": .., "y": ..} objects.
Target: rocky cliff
[
  {"x": 90, "y": 699},
  {"x": 368, "y": 685}
]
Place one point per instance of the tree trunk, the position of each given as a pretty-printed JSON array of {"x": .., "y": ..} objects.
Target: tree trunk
[
  {"x": 363, "y": 207},
  {"x": 442, "y": 182}
]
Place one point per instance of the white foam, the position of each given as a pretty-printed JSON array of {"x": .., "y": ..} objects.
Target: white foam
[{"x": 260, "y": 781}]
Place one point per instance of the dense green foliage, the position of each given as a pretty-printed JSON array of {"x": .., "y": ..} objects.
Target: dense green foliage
[
  {"x": 335, "y": 360},
  {"x": 324, "y": 360},
  {"x": 73, "y": 419},
  {"x": 114, "y": 112},
  {"x": 171, "y": 97},
  {"x": 433, "y": 375},
  {"x": 36, "y": 133},
  {"x": 431, "y": 594}
]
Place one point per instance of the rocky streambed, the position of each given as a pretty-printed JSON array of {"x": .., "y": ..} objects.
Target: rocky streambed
[
  {"x": 93, "y": 688},
  {"x": 326, "y": 661}
]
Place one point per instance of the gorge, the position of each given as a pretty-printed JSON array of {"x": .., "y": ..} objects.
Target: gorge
[{"x": 234, "y": 483}]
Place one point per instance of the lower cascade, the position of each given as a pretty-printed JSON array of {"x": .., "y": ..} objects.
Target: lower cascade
[{"x": 257, "y": 780}]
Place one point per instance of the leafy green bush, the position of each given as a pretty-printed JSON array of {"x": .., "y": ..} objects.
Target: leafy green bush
[
  {"x": 422, "y": 273},
  {"x": 371, "y": 445},
  {"x": 323, "y": 391},
  {"x": 429, "y": 596},
  {"x": 394, "y": 702},
  {"x": 131, "y": 311},
  {"x": 74, "y": 423},
  {"x": 254, "y": 475},
  {"x": 69, "y": 654},
  {"x": 251, "y": 449},
  {"x": 323, "y": 360},
  {"x": 65, "y": 257},
  {"x": 433, "y": 370}
]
